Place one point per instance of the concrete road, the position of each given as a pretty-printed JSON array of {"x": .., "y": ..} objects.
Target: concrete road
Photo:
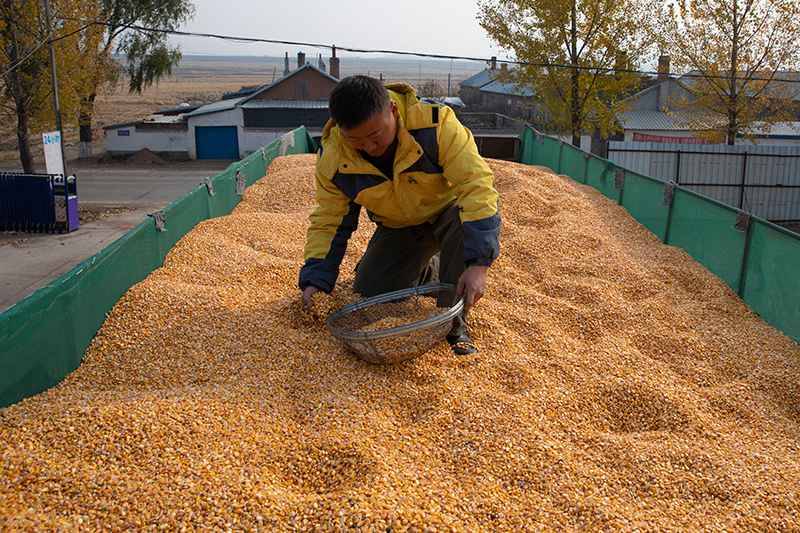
[
  {"x": 30, "y": 261},
  {"x": 120, "y": 184}
]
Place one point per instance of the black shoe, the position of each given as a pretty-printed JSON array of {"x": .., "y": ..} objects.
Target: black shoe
[{"x": 459, "y": 339}]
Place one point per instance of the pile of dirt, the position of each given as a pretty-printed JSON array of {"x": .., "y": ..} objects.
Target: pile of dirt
[
  {"x": 146, "y": 157},
  {"x": 88, "y": 214},
  {"x": 619, "y": 386}
]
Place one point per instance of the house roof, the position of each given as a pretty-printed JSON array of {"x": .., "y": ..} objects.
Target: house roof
[
  {"x": 480, "y": 79},
  {"x": 511, "y": 89},
  {"x": 285, "y": 104},
  {"x": 178, "y": 110},
  {"x": 155, "y": 119},
  {"x": 781, "y": 130},
  {"x": 659, "y": 120},
  {"x": 307, "y": 66},
  {"x": 244, "y": 91},
  {"x": 120, "y": 125},
  {"x": 653, "y": 86},
  {"x": 215, "y": 107}
]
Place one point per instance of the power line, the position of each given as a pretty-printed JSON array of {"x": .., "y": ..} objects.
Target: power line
[
  {"x": 70, "y": 34},
  {"x": 240, "y": 39}
]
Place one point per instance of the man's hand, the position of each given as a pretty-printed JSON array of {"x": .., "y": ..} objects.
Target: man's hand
[
  {"x": 308, "y": 294},
  {"x": 472, "y": 285}
]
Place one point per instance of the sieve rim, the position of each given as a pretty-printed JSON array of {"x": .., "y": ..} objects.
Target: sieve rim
[{"x": 432, "y": 321}]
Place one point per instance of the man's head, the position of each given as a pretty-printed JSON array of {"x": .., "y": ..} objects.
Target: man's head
[{"x": 362, "y": 109}]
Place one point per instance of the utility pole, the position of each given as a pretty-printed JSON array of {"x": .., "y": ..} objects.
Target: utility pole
[{"x": 54, "y": 76}]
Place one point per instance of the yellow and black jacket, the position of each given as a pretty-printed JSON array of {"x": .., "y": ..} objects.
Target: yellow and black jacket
[{"x": 436, "y": 164}]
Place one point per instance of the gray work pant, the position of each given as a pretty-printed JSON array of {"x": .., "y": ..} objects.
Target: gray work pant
[{"x": 399, "y": 258}]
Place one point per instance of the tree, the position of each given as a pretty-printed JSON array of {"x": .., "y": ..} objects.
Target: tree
[
  {"x": 24, "y": 62},
  {"x": 21, "y": 64},
  {"x": 148, "y": 55},
  {"x": 734, "y": 50},
  {"x": 564, "y": 40}
]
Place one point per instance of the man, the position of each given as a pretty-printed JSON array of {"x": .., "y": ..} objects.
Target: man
[{"x": 418, "y": 173}]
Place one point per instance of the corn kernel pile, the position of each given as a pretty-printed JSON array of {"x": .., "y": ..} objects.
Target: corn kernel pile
[{"x": 619, "y": 385}]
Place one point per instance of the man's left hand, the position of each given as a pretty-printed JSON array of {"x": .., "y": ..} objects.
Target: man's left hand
[{"x": 472, "y": 284}]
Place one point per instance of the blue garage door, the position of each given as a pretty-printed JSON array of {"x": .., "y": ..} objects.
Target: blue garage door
[{"x": 217, "y": 142}]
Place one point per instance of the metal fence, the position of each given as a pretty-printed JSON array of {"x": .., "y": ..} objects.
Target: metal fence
[
  {"x": 762, "y": 180},
  {"x": 38, "y": 202}
]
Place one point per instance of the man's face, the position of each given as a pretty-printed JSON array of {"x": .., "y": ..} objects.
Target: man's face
[{"x": 375, "y": 134}]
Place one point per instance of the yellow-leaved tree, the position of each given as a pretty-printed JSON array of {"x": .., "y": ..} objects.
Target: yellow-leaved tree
[
  {"x": 737, "y": 54},
  {"x": 146, "y": 56},
  {"x": 26, "y": 92},
  {"x": 578, "y": 54}
]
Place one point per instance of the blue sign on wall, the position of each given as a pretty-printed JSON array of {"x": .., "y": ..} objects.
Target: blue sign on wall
[{"x": 124, "y": 133}]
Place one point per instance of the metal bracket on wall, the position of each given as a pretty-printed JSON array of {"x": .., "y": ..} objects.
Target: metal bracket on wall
[
  {"x": 287, "y": 141},
  {"x": 619, "y": 178},
  {"x": 742, "y": 221},
  {"x": 669, "y": 193},
  {"x": 160, "y": 220},
  {"x": 209, "y": 186},
  {"x": 240, "y": 183}
]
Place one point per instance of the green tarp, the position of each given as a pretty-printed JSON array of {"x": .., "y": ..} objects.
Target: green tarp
[{"x": 43, "y": 337}]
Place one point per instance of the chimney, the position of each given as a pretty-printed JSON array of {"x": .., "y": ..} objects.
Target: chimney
[
  {"x": 321, "y": 63},
  {"x": 494, "y": 63},
  {"x": 663, "y": 67},
  {"x": 334, "y": 64},
  {"x": 286, "y": 64},
  {"x": 301, "y": 59}
]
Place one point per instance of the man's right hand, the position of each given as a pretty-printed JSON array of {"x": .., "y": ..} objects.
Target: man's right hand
[{"x": 308, "y": 294}]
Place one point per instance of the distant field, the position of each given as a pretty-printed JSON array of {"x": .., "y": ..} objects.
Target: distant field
[
  {"x": 206, "y": 78},
  {"x": 416, "y": 71}
]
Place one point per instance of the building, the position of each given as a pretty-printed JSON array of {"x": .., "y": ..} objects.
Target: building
[
  {"x": 470, "y": 89},
  {"x": 658, "y": 113},
  {"x": 508, "y": 99},
  {"x": 490, "y": 91},
  {"x": 235, "y": 126}
]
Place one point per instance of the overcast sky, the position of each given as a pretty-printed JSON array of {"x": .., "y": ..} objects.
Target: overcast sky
[{"x": 441, "y": 26}]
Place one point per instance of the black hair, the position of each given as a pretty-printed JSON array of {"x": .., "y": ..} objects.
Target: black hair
[{"x": 355, "y": 99}]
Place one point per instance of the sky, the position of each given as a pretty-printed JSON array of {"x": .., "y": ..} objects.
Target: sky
[{"x": 439, "y": 26}]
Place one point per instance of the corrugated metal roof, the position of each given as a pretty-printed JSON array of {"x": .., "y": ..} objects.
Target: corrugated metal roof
[
  {"x": 215, "y": 107},
  {"x": 285, "y": 104},
  {"x": 779, "y": 129},
  {"x": 511, "y": 89},
  {"x": 480, "y": 79},
  {"x": 658, "y": 120},
  {"x": 155, "y": 119},
  {"x": 178, "y": 110}
]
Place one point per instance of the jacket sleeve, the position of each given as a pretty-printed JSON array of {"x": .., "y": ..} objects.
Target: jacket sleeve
[
  {"x": 332, "y": 223},
  {"x": 477, "y": 198}
]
